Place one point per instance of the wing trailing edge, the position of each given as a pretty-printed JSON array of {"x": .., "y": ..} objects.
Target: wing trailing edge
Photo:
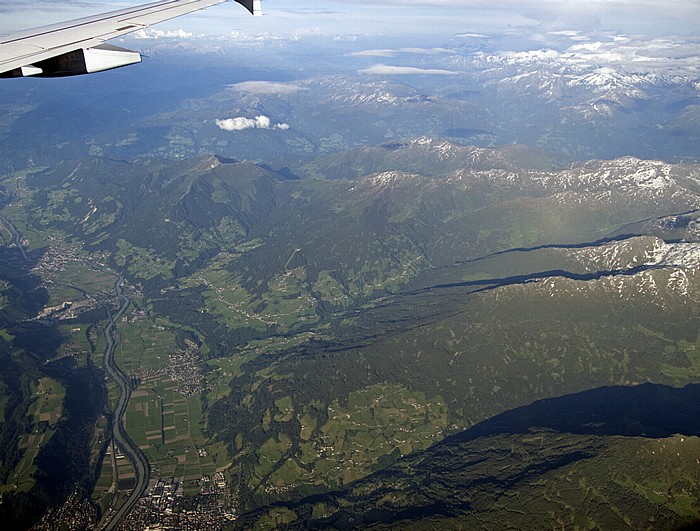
[{"x": 78, "y": 46}]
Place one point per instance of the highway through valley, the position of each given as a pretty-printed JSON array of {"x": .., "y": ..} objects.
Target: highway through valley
[
  {"x": 130, "y": 449},
  {"x": 15, "y": 236},
  {"x": 112, "y": 519}
]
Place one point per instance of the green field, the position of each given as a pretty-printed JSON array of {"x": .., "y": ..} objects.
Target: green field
[
  {"x": 143, "y": 345},
  {"x": 285, "y": 303},
  {"x": 79, "y": 279},
  {"x": 46, "y": 409},
  {"x": 165, "y": 423},
  {"x": 366, "y": 432},
  {"x": 168, "y": 428}
]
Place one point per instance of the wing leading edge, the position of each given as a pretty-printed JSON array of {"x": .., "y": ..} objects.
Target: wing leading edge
[{"x": 78, "y": 46}]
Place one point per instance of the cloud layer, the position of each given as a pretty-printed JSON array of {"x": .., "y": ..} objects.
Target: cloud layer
[
  {"x": 155, "y": 34},
  {"x": 395, "y": 52},
  {"x": 265, "y": 87},
  {"x": 666, "y": 56},
  {"x": 241, "y": 123},
  {"x": 381, "y": 69},
  {"x": 413, "y": 17},
  {"x": 393, "y": 17}
]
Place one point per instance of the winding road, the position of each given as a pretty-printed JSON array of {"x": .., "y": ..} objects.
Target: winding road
[{"x": 130, "y": 449}]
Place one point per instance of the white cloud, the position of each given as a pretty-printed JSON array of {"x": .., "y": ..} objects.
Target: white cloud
[
  {"x": 153, "y": 34},
  {"x": 566, "y": 33},
  {"x": 265, "y": 87},
  {"x": 265, "y": 38},
  {"x": 374, "y": 53},
  {"x": 394, "y": 52},
  {"x": 382, "y": 69},
  {"x": 241, "y": 123},
  {"x": 426, "y": 51}
]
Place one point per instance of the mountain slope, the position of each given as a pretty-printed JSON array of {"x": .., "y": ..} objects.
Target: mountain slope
[
  {"x": 570, "y": 461},
  {"x": 372, "y": 316}
]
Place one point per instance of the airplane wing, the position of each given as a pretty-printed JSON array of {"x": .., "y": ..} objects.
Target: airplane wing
[{"x": 78, "y": 46}]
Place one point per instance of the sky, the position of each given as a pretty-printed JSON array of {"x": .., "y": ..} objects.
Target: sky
[{"x": 391, "y": 17}]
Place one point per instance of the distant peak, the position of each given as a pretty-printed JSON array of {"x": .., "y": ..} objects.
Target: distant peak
[
  {"x": 225, "y": 160},
  {"x": 387, "y": 178}
]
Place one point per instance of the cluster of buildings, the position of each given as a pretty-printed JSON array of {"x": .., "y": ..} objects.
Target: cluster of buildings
[
  {"x": 164, "y": 507},
  {"x": 185, "y": 370},
  {"x": 59, "y": 254},
  {"x": 76, "y": 514},
  {"x": 55, "y": 260}
]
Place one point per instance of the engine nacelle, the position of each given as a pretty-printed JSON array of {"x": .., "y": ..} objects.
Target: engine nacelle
[{"x": 81, "y": 61}]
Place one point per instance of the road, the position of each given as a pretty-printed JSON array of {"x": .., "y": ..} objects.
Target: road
[
  {"x": 130, "y": 449},
  {"x": 120, "y": 437},
  {"x": 15, "y": 236}
]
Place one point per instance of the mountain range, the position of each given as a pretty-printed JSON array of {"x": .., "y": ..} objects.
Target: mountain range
[
  {"x": 592, "y": 100},
  {"x": 417, "y": 307}
]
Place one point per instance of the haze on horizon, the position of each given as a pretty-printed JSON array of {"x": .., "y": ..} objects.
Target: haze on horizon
[{"x": 395, "y": 17}]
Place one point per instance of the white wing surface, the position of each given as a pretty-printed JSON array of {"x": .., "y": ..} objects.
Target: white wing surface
[{"x": 78, "y": 46}]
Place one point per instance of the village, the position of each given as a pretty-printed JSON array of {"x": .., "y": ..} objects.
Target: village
[
  {"x": 62, "y": 266},
  {"x": 165, "y": 507}
]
